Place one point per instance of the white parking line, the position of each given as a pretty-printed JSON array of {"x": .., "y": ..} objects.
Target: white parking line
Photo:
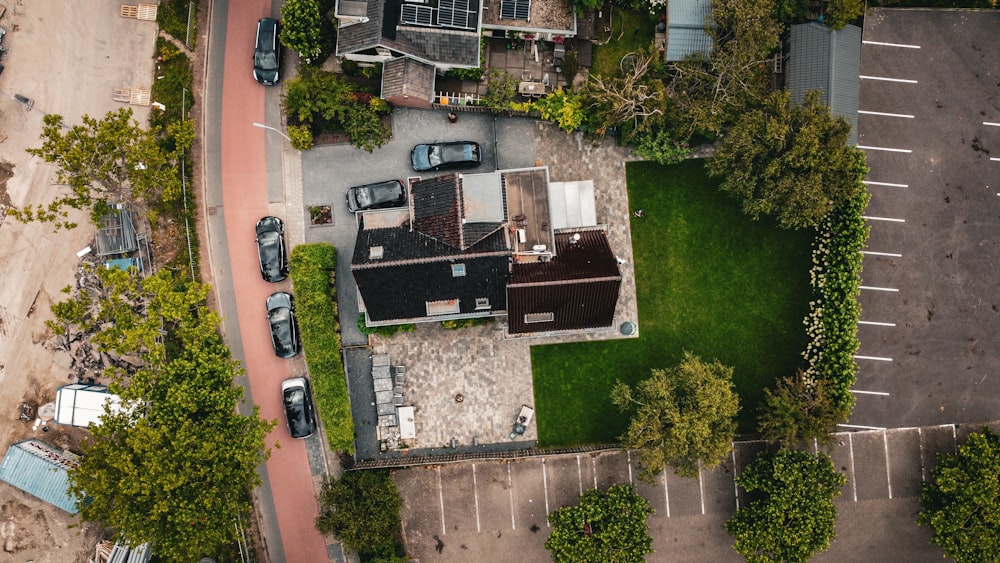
[
  {"x": 510, "y": 491},
  {"x": 701, "y": 488},
  {"x": 593, "y": 467},
  {"x": 923, "y": 472},
  {"x": 873, "y": 288},
  {"x": 736, "y": 486},
  {"x": 861, "y": 427},
  {"x": 884, "y": 114},
  {"x": 991, "y": 123},
  {"x": 887, "y": 149},
  {"x": 441, "y": 498},
  {"x": 875, "y": 358},
  {"x": 854, "y": 476},
  {"x": 545, "y": 486},
  {"x": 875, "y": 323},
  {"x": 873, "y": 253},
  {"x": 666, "y": 493},
  {"x": 860, "y": 392},
  {"x": 475, "y": 493},
  {"x": 900, "y": 45},
  {"x": 888, "y": 480},
  {"x": 890, "y": 184},
  {"x": 889, "y": 219},
  {"x": 887, "y": 79},
  {"x": 993, "y": 158},
  {"x": 579, "y": 474},
  {"x": 628, "y": 458}
]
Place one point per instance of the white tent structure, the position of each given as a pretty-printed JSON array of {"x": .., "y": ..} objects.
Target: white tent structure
[{"x": 80, "y": 404}]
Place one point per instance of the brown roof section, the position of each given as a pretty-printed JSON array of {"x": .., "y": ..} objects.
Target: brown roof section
[
  {"x": 408, "y": 82},
  {"x": 437, "y": 209}
]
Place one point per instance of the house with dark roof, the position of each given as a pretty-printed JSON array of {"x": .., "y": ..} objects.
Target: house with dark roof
[
  {"x": 506, "y": 244},
  {"x": 828, "y": 60}
]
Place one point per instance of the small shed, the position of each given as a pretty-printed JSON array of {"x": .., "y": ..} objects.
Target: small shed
[
  {"x": 80, "y": 404},
  {"x": 41, "y": 471},
  {"x": 828, "y": 60},
  {"x": 686, "y": 22}
]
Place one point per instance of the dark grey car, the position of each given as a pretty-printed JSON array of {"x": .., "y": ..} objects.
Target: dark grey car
[
  {"x": 284, "y": 328},
  {"x": 271, "y": 249},
  {"x": 267, "y": 53},
  {"x": 390, "y": 193},
  {"x": 453, "y": 155},
  {"x": 298, "y": 403}
]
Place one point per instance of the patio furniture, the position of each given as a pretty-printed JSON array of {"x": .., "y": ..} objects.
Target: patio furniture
[{"x": 533, "y": 89}]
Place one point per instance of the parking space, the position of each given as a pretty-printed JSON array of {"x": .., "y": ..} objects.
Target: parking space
[{"x": 929, "y": 304}]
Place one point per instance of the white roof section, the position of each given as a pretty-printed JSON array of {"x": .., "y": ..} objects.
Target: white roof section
[
  {"x": 407, "y": 426},
  {"x": 80, "y": 404},
  {"x": 482, "y": 198},
  {"x": 571, "y": 204}
]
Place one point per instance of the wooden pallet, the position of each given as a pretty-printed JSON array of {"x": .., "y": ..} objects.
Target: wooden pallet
[
  {"x": 129, "y": 11},
  {"x": 133, "y": 96},
  {"x": 146, "y": 12}
]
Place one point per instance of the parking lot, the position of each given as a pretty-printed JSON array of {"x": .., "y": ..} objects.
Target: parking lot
[
  {"x": 930, "y": 303},
  {"x": 472, "y": 511}
]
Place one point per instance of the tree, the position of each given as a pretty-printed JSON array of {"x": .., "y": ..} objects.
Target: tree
[
  {"x": 501, "y": 87},
  {"x": 795, "y": 519},
  {"x": 798, "y": 410},
  {"x": 791, "y": 161},
  {"x": 961, "y": 501},
  {"x": 660, "y": 146},
  {"x": 364, "y": 125},
  {"x": 684, "y": 415},
  {"x": 112, "y": 159},
  {"x": 362, "y": 509},
  {"x": 606, "y": 527},
  {"x": 839, "y": 13},
  {"x": 174, "y": 468},
  {"x": 562, "y": 107},
  {"x": 636, "y": 99},
  {"x": 302, "y": 28}
]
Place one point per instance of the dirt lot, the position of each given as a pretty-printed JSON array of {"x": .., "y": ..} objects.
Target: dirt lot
[{"x": 67, "y": 57}]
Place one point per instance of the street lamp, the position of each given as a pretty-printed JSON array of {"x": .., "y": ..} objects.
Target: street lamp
[{"x": 268, "y": 127}]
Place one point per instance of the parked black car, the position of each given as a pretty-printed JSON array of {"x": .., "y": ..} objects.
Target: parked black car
[
  {"x": 446, "y": 156},
  {"x": 271, "y": 249},
  {"x": 298, "y": 407},
  {"x": 284, "y": 328},
  {"x": 267, "y": 53},
  {"x": 390, "y": 193}
]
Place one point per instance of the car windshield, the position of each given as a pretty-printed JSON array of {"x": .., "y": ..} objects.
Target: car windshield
[
  {"x": 265, "y": 60},
  {"x": 269, "y": 250},
  {"x": 455, "y": 153},
  {"x": 294, "y": 398},
  {"x": 281, "y": 329},
  {"x": 434, "y": 155}
]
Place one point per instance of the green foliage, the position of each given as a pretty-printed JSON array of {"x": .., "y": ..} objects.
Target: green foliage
[
  {"x": 798, "y": 411},
  {"x": 465, "y": 323},
  {"x": 501, "y": 87},
  {"x": 684, "y": 415},
  {"x": 658, "y": 144},
  {"x": 312, "y": 269},
  {"x": 301, "y": 137},
  {"x": 839, "y": 13},
  {"x": 795, "y": 517},
  {"x": 302, "y": 29},
  {"x": 172, "y": 17},
  {"x": 585, "y": 5},
  {"x": 961, "y": 501},
  {"x": 384, "y": 331},
  {"x": 632, "y": 29},
  {"x": 180, "y": 455},
  {"x": 607, "y": 526},
  {"x": 362, "y": 509},
  {"x": 832, "y": 322},
  {"x": 570, "y": 66},
  {"x": 635, "y": 98},
  {"x": 790, "y": 161},
  {"x": 562, "y": 107},
  {"x": 365, "y": 127},
  {"x": 112, "y": 158},
  {"x": 175, "y": 69},
  {"x": 320, "y": 100},
  {"x": 791, "y": 10},
  {"x": 473, "y": 74}
]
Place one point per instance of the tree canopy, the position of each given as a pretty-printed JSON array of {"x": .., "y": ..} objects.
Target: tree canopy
[
  {"x": 302, "y": 28},
  {"x": 176, "y": 466},
  {"x": 362, "y": 509},
  {"x": 108, "y": 160},
  {"x": 795, "y": 517},
  {"x": 682, "y": 416},
  {"x": 799, "y": 409},
  {"x": 790, "y": 161},
  {"x": 606, "y": 527},
  {"x": 961, "y": 501}
]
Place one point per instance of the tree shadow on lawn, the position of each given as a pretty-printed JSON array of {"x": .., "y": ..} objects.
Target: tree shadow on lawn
[{"x": 709, "y": 280}]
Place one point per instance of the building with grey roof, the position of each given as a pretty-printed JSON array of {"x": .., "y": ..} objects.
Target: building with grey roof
[
  {"x": 686, "y": 22},
  {"x": 828, "y": 60},
  {"x": 41, "y": 471}
]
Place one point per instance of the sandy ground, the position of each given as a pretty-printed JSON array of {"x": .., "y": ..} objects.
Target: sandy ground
[{"x": 68, "y": 57}]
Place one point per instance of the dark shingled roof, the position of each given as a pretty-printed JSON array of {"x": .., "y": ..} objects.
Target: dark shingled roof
[
  {"x": 579, "y": 286},
  {"x": 400, "y": 244},
  {"x": 360, "y": 36},
  {"x": 407, "y": 81},
  {"x": 437, "y": 209},
  {"x": 829, "y": 61}
]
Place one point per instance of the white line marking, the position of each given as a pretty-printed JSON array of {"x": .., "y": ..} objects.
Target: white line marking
[
  {"x": 873, "y": 253},
  {"x": 994, "y": 124},
  {"x": 444, "y": 531},
  {"x": 854, "y": 476},
  {"x": 815, "y": 446},
  {"x": 666, "y": 492},
  {"x": 875, "y": 288},
  {"x": 890, "y": 184},
  {"x": 880, "y": 393},
  {"x": 545, "y": 485},
  {"x": 736, "y": 486},
  {"x": 923, "y": 465},
  {"x": 891, "y": 220},
  {"x": 887, "y": 149},
  {"x": 861, "y": 427},
  {"x": 593, "y": 467},
  {"x": 510, "y": 490},
  {"x": 900, "y": 45},
  {"x": 628, "y": 458},
  {"x": 579, "y": 474},
  {"x": 875, "y": 323},
  {"x": 475, "y": 492},
  {"x": 885, "y": 446},
  {"x": 876, "y": 358},
  {"x": 954, "y": 438},
  {"x": 884, "y": 114},
  {"x": 887, "y": 79},
  {"x": 701, "y": 488},
  {"x": 994, "y": 158}
]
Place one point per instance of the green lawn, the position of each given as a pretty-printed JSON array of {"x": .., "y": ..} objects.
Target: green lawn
[
  {"x": 630, "y": 32},
  {"x": 709, "y": 280}
]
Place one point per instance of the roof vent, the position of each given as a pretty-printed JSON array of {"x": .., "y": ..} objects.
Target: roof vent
[
  {"x": 538, "y": 248},
  {"x": 575, "y": 238},
  {"x": 375, "y": 253}
]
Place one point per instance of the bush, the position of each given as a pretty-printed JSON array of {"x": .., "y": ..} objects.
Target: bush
[
  {"x": 383, "y": 331},
  {"x": 301, "y": 137},
  {"x": 362, "y": 509},
  {"x": 659, "y": 146},
  {"x": 172, "y": 17},
  {"x": 465, "y": 323},
  {"x": 312, "y": 267},
  {"x": 175, "y": 68}
]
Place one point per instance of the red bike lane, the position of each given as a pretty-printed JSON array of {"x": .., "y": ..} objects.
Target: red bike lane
[{"x": 244, "y": 187}]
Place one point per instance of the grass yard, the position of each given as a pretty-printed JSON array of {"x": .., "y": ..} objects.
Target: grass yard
[
  {"x": 630, "y": 32},
  {"x": 709, "y": 280}
]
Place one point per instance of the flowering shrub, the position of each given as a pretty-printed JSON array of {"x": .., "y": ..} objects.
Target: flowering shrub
[{"x": 832, "y": 322}]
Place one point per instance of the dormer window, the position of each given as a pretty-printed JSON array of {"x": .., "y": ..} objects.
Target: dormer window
[
  {"x": 457, "y": 270},
  {"x": 531, "y": 318}
]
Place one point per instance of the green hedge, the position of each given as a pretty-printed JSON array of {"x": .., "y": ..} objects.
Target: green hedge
[
  {"x": 312, "y": 271},
  {"x": 832, "y": 323}
]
